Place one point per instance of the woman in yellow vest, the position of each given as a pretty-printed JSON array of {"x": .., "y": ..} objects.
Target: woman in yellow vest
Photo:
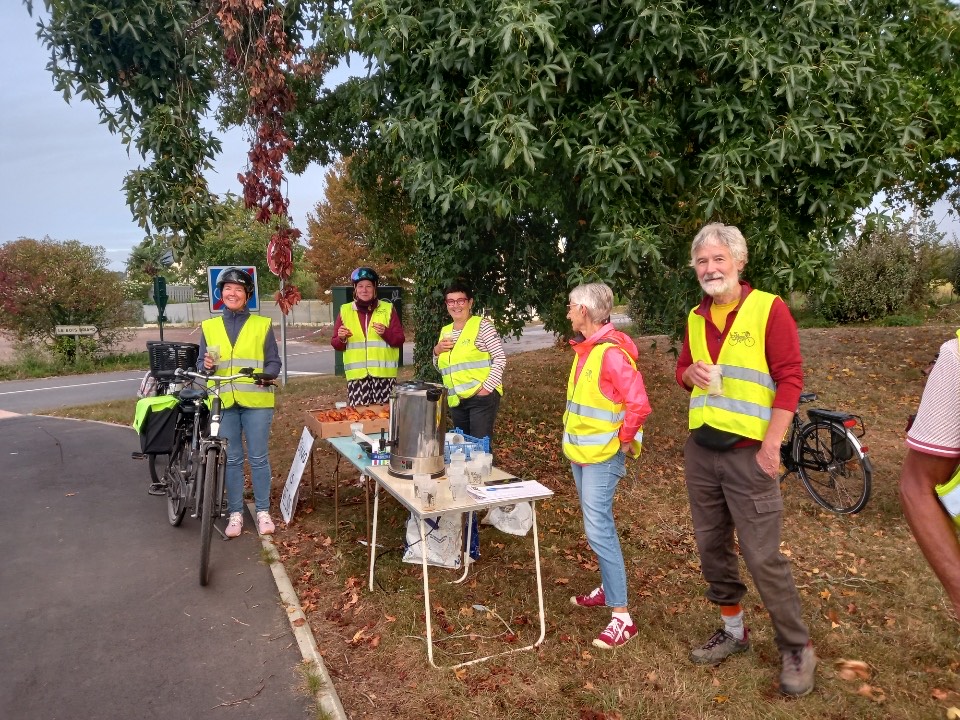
[
  {"x": 232, "y": 341},
  {"x": 369, "y": 334},
  {"x": 606, "y": 407},
  {"x": 470, "y": 357}
]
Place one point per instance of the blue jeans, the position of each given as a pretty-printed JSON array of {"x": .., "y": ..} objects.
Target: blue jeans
[
  {"x": 254, "y": 424},
  {"x": 596, "y": 485}
]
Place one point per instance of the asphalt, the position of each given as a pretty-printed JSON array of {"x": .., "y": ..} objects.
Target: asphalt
[{"x": 101, "y": 612}]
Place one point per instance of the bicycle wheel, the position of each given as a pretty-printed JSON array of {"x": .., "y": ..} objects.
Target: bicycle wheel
[
  {"x": 210, "y": 470},
  {"x": 832, "y": 467},
  {"x": 175, "y": 477}
]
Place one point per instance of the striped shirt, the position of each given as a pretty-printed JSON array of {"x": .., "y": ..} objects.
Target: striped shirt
[
  {"x": 488, "y": 340},
  {"x": 936, "y": 429}
]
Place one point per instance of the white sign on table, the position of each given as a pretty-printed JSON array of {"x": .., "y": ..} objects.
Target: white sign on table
[{"x": 288, "y": 500}]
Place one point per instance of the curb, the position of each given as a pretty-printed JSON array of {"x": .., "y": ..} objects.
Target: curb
[{"x": 327, "y": 697}]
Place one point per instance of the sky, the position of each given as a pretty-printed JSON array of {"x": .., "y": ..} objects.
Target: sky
[{"x": 61, "y": 171}]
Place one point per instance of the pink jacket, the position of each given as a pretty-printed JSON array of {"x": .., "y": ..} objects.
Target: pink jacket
[{"x": 619, "y": 382}]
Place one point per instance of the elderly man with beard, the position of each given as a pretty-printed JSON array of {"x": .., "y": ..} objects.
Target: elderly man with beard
[{"x": 741, "y": 364}]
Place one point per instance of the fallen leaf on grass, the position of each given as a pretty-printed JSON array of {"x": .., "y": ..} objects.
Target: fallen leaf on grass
[
  {"x": 852, "y": 669},
  {"x": 720, "y": 699},
  {"x": 374, "y": 642},
  {"x": 299, "y": 622},
  {"x": 561, "y": 581},
  {"x": 939, "y": 694},
  {"x": 953, "y": 713},
  {"x": 873, "y": 693},
  {"x": 461, "y": 673}
]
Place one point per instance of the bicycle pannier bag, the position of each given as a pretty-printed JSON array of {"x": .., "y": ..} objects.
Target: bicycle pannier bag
[
  {"x": 712, "y": 438},
  {"x": 156, "y": 422},
  {"x": 841, "y": 448}
]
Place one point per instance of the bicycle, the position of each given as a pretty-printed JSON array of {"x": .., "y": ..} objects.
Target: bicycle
[
  {"x": 163, "y": 355},
  {"x": 827, "y": 454},
  {"x": 195, "y": 472}
]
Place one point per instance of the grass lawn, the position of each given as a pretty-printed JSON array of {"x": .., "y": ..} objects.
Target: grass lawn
[{"x": 867, "y": 593}]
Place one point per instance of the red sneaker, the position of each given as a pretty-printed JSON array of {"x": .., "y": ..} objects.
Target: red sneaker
[
  {"x": 617, "y": 633},
  {"x": 595, "y": 599}
]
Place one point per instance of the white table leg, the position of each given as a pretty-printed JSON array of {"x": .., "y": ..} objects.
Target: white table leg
[
  {"x": 426, "y": 591},
  {"x": 536, "y": 560},
  {"x": 373, "y": 536},
  {"x": 466, "y": 551}
]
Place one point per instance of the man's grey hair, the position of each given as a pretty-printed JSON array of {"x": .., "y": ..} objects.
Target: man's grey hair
[
  {"x": 720, "y": 234},
  {"x": 597, "y": 298}
]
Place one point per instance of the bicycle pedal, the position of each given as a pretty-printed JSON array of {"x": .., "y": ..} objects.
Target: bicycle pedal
[{"x": 138, "y": 456}]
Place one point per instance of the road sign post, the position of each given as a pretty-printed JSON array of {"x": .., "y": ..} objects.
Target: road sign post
[{"x": 160, "y": 298}]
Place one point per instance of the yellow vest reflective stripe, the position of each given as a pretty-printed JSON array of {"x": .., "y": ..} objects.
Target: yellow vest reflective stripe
[
  {"x": 465, "y": 368},
  {"x": 368, "y": 354},
  {"x": 248, "y": 352},
  {"x": 748, "y": 389},
  {"x": 591, "y": 422}
]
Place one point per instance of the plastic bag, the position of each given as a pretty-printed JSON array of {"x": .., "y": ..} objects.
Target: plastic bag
[
  {"x": 148, "y": 387},
  {"x": 512, "y": 519},
  {"x": 444, "y": 541}
]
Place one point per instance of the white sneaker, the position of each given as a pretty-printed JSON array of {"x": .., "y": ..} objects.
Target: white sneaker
[{"x": 235, "y": 525}]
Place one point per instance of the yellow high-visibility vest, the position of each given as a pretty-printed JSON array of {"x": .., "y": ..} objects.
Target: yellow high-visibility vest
[
  {"x": 465, "y": 368},
  {"x": 248, "y": 352},
  {"x": 744, "y": 408},
  {"x": 368, "y": 354},
  {"x": 591, "y": 422}
]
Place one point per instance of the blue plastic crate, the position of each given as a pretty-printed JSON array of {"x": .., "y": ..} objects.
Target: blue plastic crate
[{"x": 469, "y": 445}]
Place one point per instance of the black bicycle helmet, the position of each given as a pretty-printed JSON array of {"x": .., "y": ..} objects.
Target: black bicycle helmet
[
  {"x": 237, "y": 276},
  {"x": 364, "y": 273}
]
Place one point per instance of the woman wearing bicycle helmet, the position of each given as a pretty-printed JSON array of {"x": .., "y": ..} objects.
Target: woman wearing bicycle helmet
[
  {"x": 237, "y": 340},
  {"x": 369, "y": 334}
]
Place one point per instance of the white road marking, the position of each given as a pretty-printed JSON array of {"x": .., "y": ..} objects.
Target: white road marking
[{"x": 75, "y": 385}]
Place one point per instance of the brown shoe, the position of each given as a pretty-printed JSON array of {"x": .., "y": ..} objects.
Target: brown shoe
[{"x": 799, "y": 668}]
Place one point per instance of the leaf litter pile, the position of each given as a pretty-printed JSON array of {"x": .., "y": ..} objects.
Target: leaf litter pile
[{"x": 888, "y": 644}]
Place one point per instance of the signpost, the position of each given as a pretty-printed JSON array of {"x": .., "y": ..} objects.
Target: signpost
[
  {"x": 160, "y": 298},
  {"x": 75, "y": 330}
]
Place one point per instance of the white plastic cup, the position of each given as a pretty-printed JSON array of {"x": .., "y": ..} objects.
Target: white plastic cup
[
  {"x": 419, "y": 480},
  {"x": 428, "y": 492},
  {"x": 715, "y": 388},
  {"x": 475, "y": 471},
  {"x": 214, "y": 352},
  {"x": 355, "y": 430},
  {"x": 486, "y": 468},
  {"x": 458, "y": 486}
]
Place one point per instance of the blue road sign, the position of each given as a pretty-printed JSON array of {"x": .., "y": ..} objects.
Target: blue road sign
[{"x": 216, "y": 302}]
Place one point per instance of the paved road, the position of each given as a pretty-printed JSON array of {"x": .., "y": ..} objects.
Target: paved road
[
  {"x": 303, "y": 358},
  {"x": 101, "y": 612}
]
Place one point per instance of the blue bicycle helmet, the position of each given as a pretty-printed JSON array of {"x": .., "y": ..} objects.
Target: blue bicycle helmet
[{"x": 364, "y": 273}]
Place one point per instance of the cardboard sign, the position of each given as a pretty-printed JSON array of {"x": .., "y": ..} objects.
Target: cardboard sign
[{"x": 288, "y": 500}]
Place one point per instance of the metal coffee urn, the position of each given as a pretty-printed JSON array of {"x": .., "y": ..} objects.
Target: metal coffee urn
[{"x": 418, "y": 423}]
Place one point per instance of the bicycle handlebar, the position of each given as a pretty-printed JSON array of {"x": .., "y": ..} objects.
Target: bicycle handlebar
[{"x": 258, "y": 378}]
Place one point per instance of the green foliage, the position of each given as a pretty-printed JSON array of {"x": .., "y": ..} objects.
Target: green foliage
[
  {"x": 150, "y": 73},
  {"x": 883, "y": 271},
  {"x": 45, "y": 283}
]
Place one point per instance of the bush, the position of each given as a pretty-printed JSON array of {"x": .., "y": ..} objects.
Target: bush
[{"x": 884, "y": 271}]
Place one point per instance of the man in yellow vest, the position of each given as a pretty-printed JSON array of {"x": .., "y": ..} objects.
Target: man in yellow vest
[
  {"x": 741, "y": 363},
  {"x": 232, "y": 341},
  {"x": 933, "y": 453}
]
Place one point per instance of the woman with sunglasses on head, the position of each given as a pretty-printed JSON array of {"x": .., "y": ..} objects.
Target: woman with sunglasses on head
[
  {"x": 470, "y": 357},
  {"x": 369, "y": 334}
]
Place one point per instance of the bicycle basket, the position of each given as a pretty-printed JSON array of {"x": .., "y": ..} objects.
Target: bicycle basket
[{"x": 165, "y": 357}]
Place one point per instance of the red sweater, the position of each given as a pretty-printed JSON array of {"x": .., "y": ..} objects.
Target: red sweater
[
  {"x": 782, "y": 343},
  {"x": 393, "y": 336}
]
